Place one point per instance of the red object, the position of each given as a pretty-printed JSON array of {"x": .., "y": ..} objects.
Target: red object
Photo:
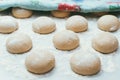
[{"x": 68, "y": 7}]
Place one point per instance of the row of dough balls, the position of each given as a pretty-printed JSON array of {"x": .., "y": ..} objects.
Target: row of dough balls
[
  {"x": 41, "y": 61},
  {"x": 25, "y": 13},
  {"x": 65, "y": 40},
  {"x": 45, "y": 25},
  {"x": 107, "y": 23}
]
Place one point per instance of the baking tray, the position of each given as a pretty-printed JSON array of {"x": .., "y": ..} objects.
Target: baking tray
[{"x": 12, "y": 66}]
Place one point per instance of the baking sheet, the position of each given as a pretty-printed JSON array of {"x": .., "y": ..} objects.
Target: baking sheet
[{"x": 12, "y": 65}]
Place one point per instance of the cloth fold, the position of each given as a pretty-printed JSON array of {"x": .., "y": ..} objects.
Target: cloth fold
[{"x": 84, "y": 6}]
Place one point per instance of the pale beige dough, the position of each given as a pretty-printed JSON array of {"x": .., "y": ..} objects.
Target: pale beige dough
[
  {"x": 18, "y": 43},
  {"x": 85, "y": 63},
  {"x": 8, "y": 24},
  {"x": 21, "y": 13},
  {"x": 105, "y": 42},
  {"x": 66, "y": 40},
  {"x": 40, "y": 61},
  {"x": 44, "y": 25},
  {"x": 108, "y": 23},
  {"x": 77, "y": 23},
  {"x": 60, "y": 14}
]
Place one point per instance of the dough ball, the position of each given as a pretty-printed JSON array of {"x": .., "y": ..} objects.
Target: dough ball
[
  {"x": 85, "y": 63},
  {"x": 66, "y": 40},
  {"x": 60, "y": 14},
  {"x": 21, "y": 13},
  {"x": 108, "y": 23},
  {"x": 40, "y": 61},
  {"x": 8, "y": 24},
  {"x": 44, "y": 25},
  {"x": 105, "y": 42},
  {"x": 18, "y": 43},
  {"x": 77, "y": 23},
  {"x": 100, "y": 13}
]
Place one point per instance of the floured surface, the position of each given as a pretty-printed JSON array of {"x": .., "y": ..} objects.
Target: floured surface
[{"x": 12, "y": 65}]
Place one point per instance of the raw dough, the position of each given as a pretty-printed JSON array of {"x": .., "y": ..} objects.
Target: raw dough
[
  {"x": 66, "y": 40},
  {"x": 8, "y": 24},
  {"x": 40, "y": 61},
  {"x": 77, "y": 23},
  {"x": 21, "y": 13},
  {"x": 60, "y": 14},
  {"x": 44, "y": 25},
  {"x": 19, "y": 43},
  {"x": 100, "y": 13},
  {"x": 85, "y": 63},
  {"x": 105, "y": 42},
  {"x": 108, "y": 23}
]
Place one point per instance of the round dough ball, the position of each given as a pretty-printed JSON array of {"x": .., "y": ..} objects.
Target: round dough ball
[
  {"x": 40, "y": 61},
  {"x": 66, "y": 40},
  {"x": 44, "y": 25},
  {"x": 18, "y": 43},
  {"x": 77, "y": 23},
  {"x": 108, "y": 23},
  {"x": 105, "y": 42},
  {"x": 8, "y": 24},
  {"x": 21, "y": 13},
  {"x": 60, "y": 14},
  {"x": 85, "y": 63}
]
